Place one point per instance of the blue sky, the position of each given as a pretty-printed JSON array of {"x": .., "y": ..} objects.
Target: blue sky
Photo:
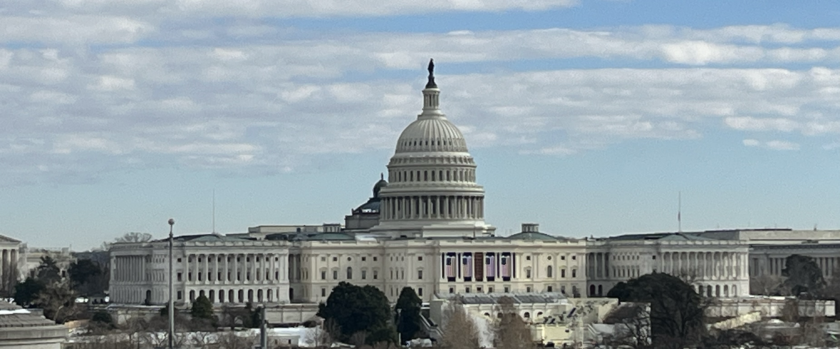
[{"x": 588, "y": 117}]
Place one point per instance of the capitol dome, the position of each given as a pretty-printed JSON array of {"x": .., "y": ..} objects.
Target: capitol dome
[
  {"x": 431, "y": 189},
  {"x": 431, "y": 134}
]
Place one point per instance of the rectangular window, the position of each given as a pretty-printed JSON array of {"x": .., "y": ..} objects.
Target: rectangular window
[
  {"x": 374, "y": 259},
  {"x": 189, "y": 276},
  {"x": 335, "y": 259},
  {"x": 179, "y": 295},
  {"x": 528, "y": 273},
  {"x": 238, "y": 276},
  {"x": 364, "y": 259},
  {"x": 199, "y": 276},
  {"x": 179, "y": 279},
  {"x": 375, "y": 274},
  {"x": 574, "y": 273},
  {"x": 323, "y": 292},
  {"x": 563, "y": 289},
  {"x": 550, "y": 289},
  {"x": 562, "y": 273},
  {"x": 507, "y": 289},
  {"x": 420, "y": 291},
  {"x": 364, "y": 274},
  {"x": 419, "y": 258},
  {"x": 335, "y": 274},
  {"x": 490, "y": 289},
  {"x": 528, "y": 289},
  {"x": 478, "y": 289},
  {"x": 323, "y": 275},
  {"x": 420, "y": 274},
  {"x": 323, "y": 259},
  {"x": 467, "y": 290},
  {"x": 451, "y": 290}
]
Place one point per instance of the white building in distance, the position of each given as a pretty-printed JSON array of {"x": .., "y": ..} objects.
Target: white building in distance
[{"x": 423, "y": 228}]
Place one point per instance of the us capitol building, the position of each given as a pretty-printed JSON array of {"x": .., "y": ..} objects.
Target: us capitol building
[{"x": 424, "y": 228}]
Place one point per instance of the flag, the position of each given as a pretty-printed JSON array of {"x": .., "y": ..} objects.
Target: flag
[
  {"x": 450, "y": 269},
  {"x": 491, "y": 265},
  {"x": 505, "y": 266},
  {"x": 468, "y": 266}
]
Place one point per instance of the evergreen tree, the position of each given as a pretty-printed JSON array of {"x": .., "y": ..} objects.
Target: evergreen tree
[
  {"x": 408, "y": 321},
  {"x": 26, "y": 292},
  {"x": 202, "y": 308},
  {"x": 359, "y": 309},
  {"x": 676, "y": 310},
  {"x": 803, "y": 275}
]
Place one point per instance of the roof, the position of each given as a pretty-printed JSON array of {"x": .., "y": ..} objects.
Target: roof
[
  {"x": 12, "y": 315},
  {"x": 533, "y": 235},
  {"x": 312, "y": 237},
  {"x": 4, "y": 238},
  {"x": 205, "y": 238},
  {"x": 518, "y": 298},
  {"x": 661, "y": 236}
]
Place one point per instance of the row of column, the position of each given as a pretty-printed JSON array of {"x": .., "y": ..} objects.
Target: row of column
[
  {"x": 597, "y": 265},
  {"x": 256, "y": 266},
  {"x": 432, "y": 176},
  {"x": 130, "y": 268},
  {"x": 237, "y": 296},
  {"x": 8, "y": 263},
  {"x": 432, "y": 207},
  {"x": 705, "y": 265}
]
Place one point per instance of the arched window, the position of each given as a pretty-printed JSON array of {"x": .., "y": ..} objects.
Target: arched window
[
  {"x": 212, "y": 296},
  {"x": 251, "y": 296},
  {"x": 549, "y": 271},
  {"x": 726, "y": 290},
  {"x": 527, "y": 315},
  {"x": 600, "y": 290},
  {"x": 192, "y": 296},
  {"x": 591, "y": 290},
  {"x": 717, "y": 290},
  {"x": 734, "y": 291},
  {"x": 349, "y": 273}
]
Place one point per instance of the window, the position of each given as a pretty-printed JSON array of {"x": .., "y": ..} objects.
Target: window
[
  {"x": 374, "y": 259},
  {"x": 562, "y": 273},
  {"x": 490, "y": 289},
  {"x": 335, "y": 259},
  {"x": 189, "y": 276},
  {"x": 451, "y": 290},
  {"x": 179, "y": 295},
  {"x": 574, "y": 257},
  {"x": 420, "y": 274},
  {"x": 349, "y": 259},
  {"x": 349, "y": 273},
  {"x": 562, "y": 258},
  {"x": 364, "y": 259},
  {"x": 528, "y": 289},
  {"x": 549, "y": 271},
  {"x": 420, "y": 291},
  {"x": 179, "y": 279},
  {"x": 179, "y": 261},
  {"x": 335, "y": 274},
  {"x": 507, "y": 289},
  {"x": 364, "y": 274},
  {"x": 549, "y": 289},
  {"x": 574, "y": 273},
  {"x": 528, "y": 273},
  {"x": 419, "y": 258},
  {"x": 323, "y": 274},
  {"x": 549, "y": 257},
  {"x": 478, "y": 289},
  {"x": 563, "y": 289},
  {"x": 527, "y": 258},
  {"x": 323, "y": 291},
  {"x": 467, "y": 290},
  {"x": 654, "y": 257},
  {"x": 375, "y": 274}
]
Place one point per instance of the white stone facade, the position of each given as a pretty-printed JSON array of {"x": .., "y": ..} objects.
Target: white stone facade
[
  {"x": 227, "y": 270},
  {"x": 430, "y": 235}
]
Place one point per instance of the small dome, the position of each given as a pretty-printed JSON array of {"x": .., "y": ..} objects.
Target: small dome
[
  {"x": 531, "y": 235},
  {"x": 427, "y": 134},
  {"x": 382, "y": 183}
]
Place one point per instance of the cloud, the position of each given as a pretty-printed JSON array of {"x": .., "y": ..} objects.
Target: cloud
[
  {"x": 772, "y": 145},
  {"x": 266, "y": 106}
]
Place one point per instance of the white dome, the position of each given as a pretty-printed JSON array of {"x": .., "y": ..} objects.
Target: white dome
[{"x": 429, "y": 134}]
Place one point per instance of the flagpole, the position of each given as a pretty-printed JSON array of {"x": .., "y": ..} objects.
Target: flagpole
[{"x": 679, "y": 212}]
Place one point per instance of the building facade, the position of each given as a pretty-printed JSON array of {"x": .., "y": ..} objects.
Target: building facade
[{"x": 423, "y": 228}]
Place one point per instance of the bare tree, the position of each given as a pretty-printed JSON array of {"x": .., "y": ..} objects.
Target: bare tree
[
  {"x": 459, "y": 329},
  {"x": 632, "y": 329},
  {"x": 324, "y": 336},
  {"x": 134, "y": 237},
  {"x": 767, "y": 285},
  {"x": 510, "y": 330},
  {"x": 230, "y": 340}
]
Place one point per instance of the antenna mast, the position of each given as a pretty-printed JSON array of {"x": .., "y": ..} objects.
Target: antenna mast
[{"x": 214, "y": 211}]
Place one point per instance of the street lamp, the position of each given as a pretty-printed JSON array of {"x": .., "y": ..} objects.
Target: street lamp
[{"x": 171, "y": 301}]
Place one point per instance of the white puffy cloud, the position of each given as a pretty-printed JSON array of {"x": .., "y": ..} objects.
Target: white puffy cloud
[{"x": 255, "y": 105}]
